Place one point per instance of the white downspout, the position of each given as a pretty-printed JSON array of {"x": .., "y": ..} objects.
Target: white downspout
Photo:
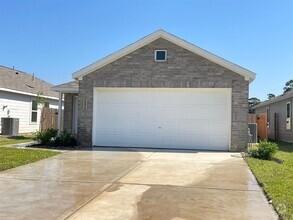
[{"x": 60, "y": 113}]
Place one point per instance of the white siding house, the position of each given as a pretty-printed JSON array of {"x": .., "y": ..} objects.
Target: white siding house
[{"x": 18, "y": 93}]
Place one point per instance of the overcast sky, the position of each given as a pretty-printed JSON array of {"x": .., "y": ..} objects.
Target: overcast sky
[{"x": 54, "y": 38}]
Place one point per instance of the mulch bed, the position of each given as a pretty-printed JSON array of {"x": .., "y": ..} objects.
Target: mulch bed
[{"x": 55, "y": 147}]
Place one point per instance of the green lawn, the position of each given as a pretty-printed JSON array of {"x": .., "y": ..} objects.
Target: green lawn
[
  {"x": 277, "y": 178},
  {"x": 13, "y": 157},
  {"x": 15, "y": 139}
]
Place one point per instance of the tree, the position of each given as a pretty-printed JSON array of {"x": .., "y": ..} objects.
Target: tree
[
  {"x": 288, "y": 86},
  {"x": 270, "y": 96},
  {"x": 253, "y": 102},
  {"x": 40, "y": 99}
]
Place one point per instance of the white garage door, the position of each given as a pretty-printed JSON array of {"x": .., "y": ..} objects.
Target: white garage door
[{"x": 162, "y": 118}]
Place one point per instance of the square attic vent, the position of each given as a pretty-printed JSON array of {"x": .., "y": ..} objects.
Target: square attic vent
[{"x": 160, "y": 55}]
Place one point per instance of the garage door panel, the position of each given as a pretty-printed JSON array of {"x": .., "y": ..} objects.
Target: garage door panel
[
  {"x": 167, "y": 141},
  {"x": 133, "y": 110},
  {"x": 193, "y": 127},
  {"x": 121, "y": 139},
  {"x": 193, "y": 119},
  {"x": 149, "y": 140},
  {"x": 133, "y": 125},
  {"x": 200, "y": 141},
  {"x": 119, "y": 125},
  {"x": 168, "y": 126},
  {"x": 217, "y": 140},
  {"x": 216, "y": 127},
  {"x": 110, "y": 109},
  {"x": 104, "y": 139},
  {"x": 104, "y": 124},
  {"x": 148, "y": 111},
  {"x": 199, "y": 127},
  {"x": 203, "y": 98},
  {"x": 187, "y": 126}
]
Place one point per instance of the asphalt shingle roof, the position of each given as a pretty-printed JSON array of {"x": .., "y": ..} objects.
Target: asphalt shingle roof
[
  {"x": 24, "y": 82},
  {"x": 72, "y": 84},
  {"x": 275, "y": 99}
]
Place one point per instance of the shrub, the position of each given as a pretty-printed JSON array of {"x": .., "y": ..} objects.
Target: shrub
[
  {"x": 46, "y": 137},
  {"x": 65, "y": 139},
  {"x": 253, "y": 152},
  {"x": 265, "y": 150},
  {"x": 49, "y": 137}
]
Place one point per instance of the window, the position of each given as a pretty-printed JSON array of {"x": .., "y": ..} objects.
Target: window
[
  {"x": 46, "y": 104},
  {"x": 268, "y": 117},
  {"x": 288, "y": 110},
  {"x": 34, "y": 112},
  {"x": 160, "y": 55},
  {"x": 288, "y": 115}
]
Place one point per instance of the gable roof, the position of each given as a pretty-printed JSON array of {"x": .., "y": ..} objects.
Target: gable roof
[
  {"x": 70, "y": 87},
  {"x": 250, "y": 76},
  {"x": 286, "y": 95},
  {"x": 17, "y": 81}
]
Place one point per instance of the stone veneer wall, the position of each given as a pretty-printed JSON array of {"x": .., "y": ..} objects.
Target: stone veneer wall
[
  {"x": 68, "y": 111},
  {"x": 183, "y": 69}
]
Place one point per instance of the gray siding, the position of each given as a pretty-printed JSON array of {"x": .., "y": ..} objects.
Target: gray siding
[
  {"x": 183, "y": 69},
  {"x": 279, "y": 108},
  {"x": 19, "y": 106}
]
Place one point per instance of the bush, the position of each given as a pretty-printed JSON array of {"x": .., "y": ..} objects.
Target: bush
[
  {"x": 65, "y": 139},
  {"x": 46, "y": 137},
  {"x": 265, "y": 150},
  {"x": 49, "y": 137},
  {"x": 253, "y": 152}
]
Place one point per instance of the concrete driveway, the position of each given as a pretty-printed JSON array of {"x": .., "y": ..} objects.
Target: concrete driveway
[{"x": 133, "y": 184}]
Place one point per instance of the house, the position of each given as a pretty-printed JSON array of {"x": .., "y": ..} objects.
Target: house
[
  {"x": 18, "y": 94},
  {"x": 159, "y": 92},
  {"x": 277, "y": 114}
]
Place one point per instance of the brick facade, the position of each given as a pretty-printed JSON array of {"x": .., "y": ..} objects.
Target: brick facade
[
  {"x": 68, "y": 111},
  {"x": 183, "y": 69}
]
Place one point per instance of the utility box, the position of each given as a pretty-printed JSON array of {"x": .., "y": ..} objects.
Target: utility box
[
  {"x": 252, "y": 127},
  {"x": 10, "y": 126}
]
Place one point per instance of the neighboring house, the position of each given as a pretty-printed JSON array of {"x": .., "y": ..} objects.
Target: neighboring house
[
  {"x": 18, "y": 93},
  {"x": 278, "y": 112},
  {"x": 159, "y": 92}
]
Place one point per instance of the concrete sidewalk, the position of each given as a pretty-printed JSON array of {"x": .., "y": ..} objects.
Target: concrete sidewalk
[
  {"x": 21, "y": 145},
  {"x": 113, "y": 183}
]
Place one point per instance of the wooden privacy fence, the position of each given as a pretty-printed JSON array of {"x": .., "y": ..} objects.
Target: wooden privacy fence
[
  {"x": 251, "y": 118},
  {"x": 261, "y": 120},
  {"x": 49, "y": 118},
  {"x": 262, "y": 127}
]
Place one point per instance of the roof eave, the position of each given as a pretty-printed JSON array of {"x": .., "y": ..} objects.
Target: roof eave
[
  {"x": 27, "y": 93},
  {"x": 272, "y": 101},
  {"x": 65, "y": 90}
]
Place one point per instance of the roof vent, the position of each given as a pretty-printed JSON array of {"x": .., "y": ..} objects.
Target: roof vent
[{"x": 32, "y": 87}]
